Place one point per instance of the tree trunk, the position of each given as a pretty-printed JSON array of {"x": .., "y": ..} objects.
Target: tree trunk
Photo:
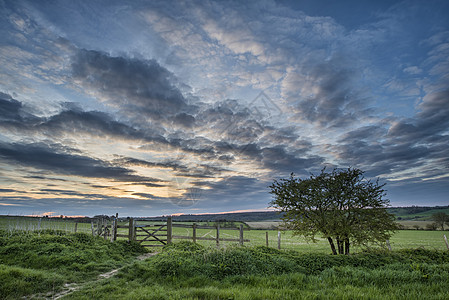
[
  {"x": 340, "y": 245},
  {"x": 331, "y": 242},
  {"x": 347, "y": 246}
]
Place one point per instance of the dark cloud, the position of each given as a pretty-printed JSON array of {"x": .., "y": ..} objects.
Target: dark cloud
[
  {"x": 9, "y": 108},
  {"x": 8, "y": 191},
  {"x": 408, "y": 143},
  {"x": 141, "y": 88},
  {"x": 431, "y": 122},
  {"x": 279, "y": 160},
  {"x": 148, "y": 184},
  {"x": 52, "y": 158},
  {"x": 336, "y": 103},
  {"x": 129, "y": 161},
  {"x": 71, "y": 193},
  {"x": 144, "y": 195},
  {"x": 233, "y": 191},
  {"x": 45, "y": 178}
]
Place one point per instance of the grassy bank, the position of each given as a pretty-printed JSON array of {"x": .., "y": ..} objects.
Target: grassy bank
[
  {"x": 42, "y": 261},
  {"x": 189, "y": 271}
]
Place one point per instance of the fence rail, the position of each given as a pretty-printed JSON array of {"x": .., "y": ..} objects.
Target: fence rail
[{"x": 161, "y": 233}]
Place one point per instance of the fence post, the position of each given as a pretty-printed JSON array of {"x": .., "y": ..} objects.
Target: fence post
[
  {"x": 92, "y": 227},
  {"x": 114, "y": 229},
  {"x": 169, "y": 230},
  {"x": 39, "y": 224},
  {"x": 447, "y": 244},
  {"x": 241, "y": 235},
  {"x": 194, "y": 232},
  {"x": 218, "y": 234},
  {"x": 131, "y": 229},
  {"x": 105, "y": 229},
  {"x": 279, "y": 240},
  {"x": 266, "y": 238},
  {"x": 76, "y": 227}
]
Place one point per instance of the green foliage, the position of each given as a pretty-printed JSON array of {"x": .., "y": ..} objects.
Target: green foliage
[
  {"x": 341, "y": 205},
  {"x": 16, "y": 282},
  {"x": 188, "y": 271},
  {"x": 42, "y": 261},
  {"x": 50, "y": 250},
  {"x": 440, "y": 219},
  {"x": 422, "y": 213},
  {"x": 178, "y": 262}
]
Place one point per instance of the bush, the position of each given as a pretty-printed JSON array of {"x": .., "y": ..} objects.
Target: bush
[
  {"x": 17, "y": 282},
  {"x": 50, "y": 250}
]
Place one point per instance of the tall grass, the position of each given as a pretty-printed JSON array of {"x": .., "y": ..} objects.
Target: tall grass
[
  {"x": 38, "y": 261},
  {"x": 190, "y": 271}
]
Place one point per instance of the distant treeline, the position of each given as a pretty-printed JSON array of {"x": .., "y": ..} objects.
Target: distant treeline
[
  {"x": 400, "y": 212},
  {"x": 237, "y": 217}
]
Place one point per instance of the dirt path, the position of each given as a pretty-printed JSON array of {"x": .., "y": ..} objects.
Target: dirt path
[{"x": 69, "y": 288}]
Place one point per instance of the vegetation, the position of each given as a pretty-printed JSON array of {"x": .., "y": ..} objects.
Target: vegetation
[
  {"x": 190, "y": 271},
  {"x": 41, "y": 261},
  {"x": 440, "y": 218},
  {"x": 417, "y": 213},
  {"x": 341, "y": 205},
  {"x": 35, "y": 263}
]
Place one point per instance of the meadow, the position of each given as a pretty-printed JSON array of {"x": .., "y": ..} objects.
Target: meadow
[
  {"x": 54, "y": 263},
  {"x": 254, "y": 231}
]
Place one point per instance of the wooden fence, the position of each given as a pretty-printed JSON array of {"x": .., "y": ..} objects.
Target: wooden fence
[{"x": 161, "y": 234}]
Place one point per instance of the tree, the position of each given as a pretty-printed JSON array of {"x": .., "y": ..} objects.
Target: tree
[
  {"x": 341, "y": 205},
  {"x": 440, "y": 218}
]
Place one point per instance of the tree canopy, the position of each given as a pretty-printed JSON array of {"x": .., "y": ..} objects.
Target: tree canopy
[
  {"x": 341, "y": 205},
  {"x": 440, "y": 218}
]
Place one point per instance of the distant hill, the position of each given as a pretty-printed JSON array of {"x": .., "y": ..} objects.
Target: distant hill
[
  {"x": 417, "y": 213},
  {"x": 242, "y": 217}
]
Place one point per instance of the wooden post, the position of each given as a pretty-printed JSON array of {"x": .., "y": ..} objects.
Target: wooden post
[
  {"x": 279, "y": 240},
  {"x": 105, "y": 228},
  {"x": 447, "y": 244},
  {"x": 218, "y": 234},
  {"x": 76, "y": 227},
  {"x": 98, "y": 232},
  {"x": 266, "y": 238},
  {"x": 194, "y": 232},
  {"x": 131, "y": 229},
  {"x": 388, "y": 244},
  {"x": 39, "y": 224},
  {"x": 114, "y": 229},
  {"x": 169, "y": 230},
  {"x": 92, "y": 227},
  {"x": 241, "y": 234}
]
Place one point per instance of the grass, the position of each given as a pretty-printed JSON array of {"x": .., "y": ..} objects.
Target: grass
[
  {"x": 400, "y": 240},
  {"x": 42, "y": 261},
  {"x": 12, "y": 223},
  {"x": 189, "y": 271},
  {"x": 421, "y": 214}
]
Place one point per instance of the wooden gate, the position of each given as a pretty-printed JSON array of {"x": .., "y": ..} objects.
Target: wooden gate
[{"x": 152, "y": 235}]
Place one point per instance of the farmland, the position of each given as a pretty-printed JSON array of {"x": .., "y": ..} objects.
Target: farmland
[
  {"x": 254, "y": 231},
  {"x": 54, "y": 260}
]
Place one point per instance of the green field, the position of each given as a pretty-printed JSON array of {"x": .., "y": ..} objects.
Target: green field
[
  {"x": 417, "y": 213},
  {"x": 400, "y": 240},
  {"x": 53, "y": 263},
  {"x": 189, "y": 271},
  {"x": 35, "y": 223}
]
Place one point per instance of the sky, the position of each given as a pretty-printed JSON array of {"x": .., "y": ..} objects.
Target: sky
[{"x": 147, "y": 108}]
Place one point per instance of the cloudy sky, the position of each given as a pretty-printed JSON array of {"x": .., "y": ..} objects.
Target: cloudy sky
[{"x": 160, "y": 107}]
